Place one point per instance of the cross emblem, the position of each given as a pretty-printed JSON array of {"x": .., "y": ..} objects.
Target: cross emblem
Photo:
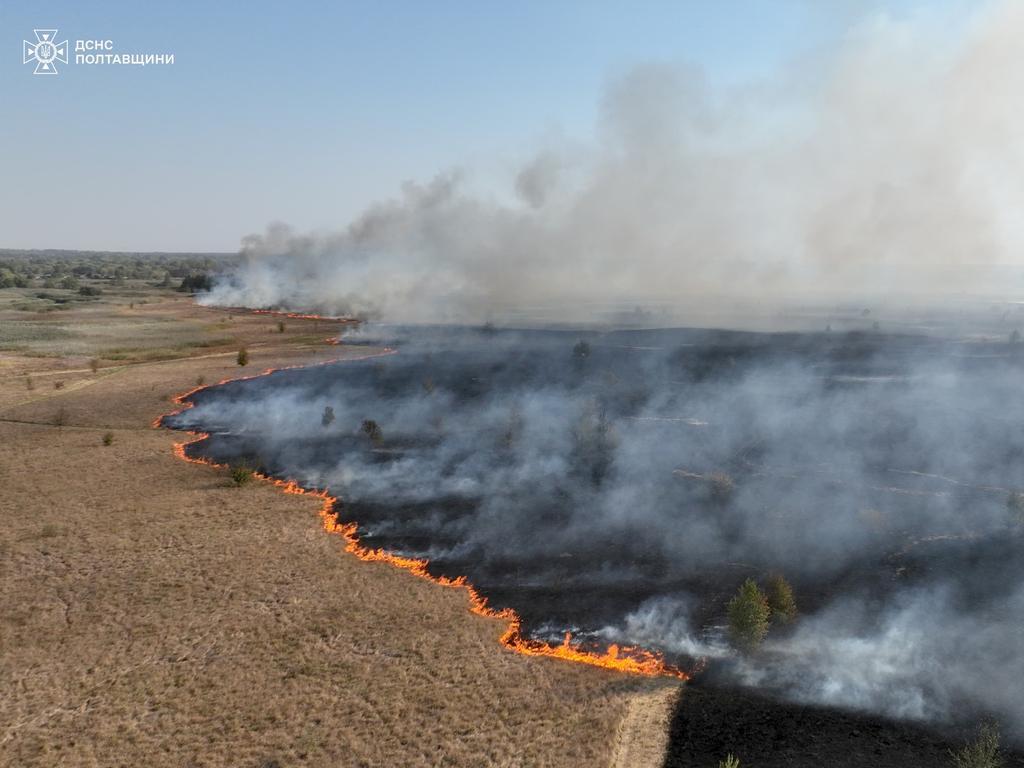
[{"x": 45, "y": 52}]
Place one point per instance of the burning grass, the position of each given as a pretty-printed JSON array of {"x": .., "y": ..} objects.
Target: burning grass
[{"x": 628, "y": 659}]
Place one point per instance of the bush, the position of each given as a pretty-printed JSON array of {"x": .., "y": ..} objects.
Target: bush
[
  {"x": 581, "y": 351},
  {"x": 88, "y": 290},
  {"x": 729, "y": 762},
  {"x": 108, "y": 438},
  {"x": 29, "y": 384},
  {"x": 60, "y": 418},
  {"x": 983, "y": 752},
  {"x": 328, "y": 418},
  {"x": 58, "y": 385},
  {"x": 195, "y": 283},
  {"x": 372, "y": 430},
  {"x": 280, "y": 326},
  {"x": 780, "y": 599},
  {"x": 200, "y": 380},
  {"x": 749, "y": 615},
  {"x": 243, "y": 356},
  {"x": 94, "y": 365},
  {"x": 241, "y": 474}
]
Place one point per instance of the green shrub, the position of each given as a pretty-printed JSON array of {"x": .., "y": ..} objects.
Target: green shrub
[
  {"x": 729, "y": 762},
  {"x": 983, "y": 752},
  {"x": 241, "y": 474},
  {"x": 108, "y": 438},
  {"x": 243, "y": 356},
  {"x": 372, "y": 430},
  {"x": 280, "y": 326},
  {"x": 749, "y": 615},
  {"x": 780, "y": 599}
]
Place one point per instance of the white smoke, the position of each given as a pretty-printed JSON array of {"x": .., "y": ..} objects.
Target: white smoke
[{"x": 891, "y": 166}]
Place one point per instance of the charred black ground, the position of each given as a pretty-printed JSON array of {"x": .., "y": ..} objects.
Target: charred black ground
[{"x": 621, "y": 485}]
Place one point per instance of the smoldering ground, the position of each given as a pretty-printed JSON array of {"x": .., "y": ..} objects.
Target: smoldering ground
[
  {"x": 888, "y": 165},
  {"x": 621, "y": 485}
]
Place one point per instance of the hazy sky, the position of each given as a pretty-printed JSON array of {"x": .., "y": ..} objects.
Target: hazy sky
[{"x": 304, "y": 112}]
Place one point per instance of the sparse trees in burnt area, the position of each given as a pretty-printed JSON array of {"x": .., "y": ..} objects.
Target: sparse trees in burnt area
[
  {"x": 594, "y": 443},
  {"x": 328, "y": 418},
  {"x": 752, "y": 611},
  {"x": 983, "y": 752},
  {"x": 780, "y": 598},
  {"x": 372, "y": 430},
  {"x": 749, "y": 617}
]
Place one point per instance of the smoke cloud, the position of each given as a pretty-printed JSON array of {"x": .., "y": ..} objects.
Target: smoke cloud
[
  {"x": 891, "y": 165},
  {"x": 622, "y": 487}
]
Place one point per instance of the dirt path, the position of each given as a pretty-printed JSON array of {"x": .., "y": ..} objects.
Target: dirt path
[{"x": 642, "y": 735}]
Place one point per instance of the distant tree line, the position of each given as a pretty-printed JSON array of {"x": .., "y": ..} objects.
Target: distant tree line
[{"x": 50, "y": 268}]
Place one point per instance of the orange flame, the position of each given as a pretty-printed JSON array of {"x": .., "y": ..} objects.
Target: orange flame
[{"x": 628, "y": 659}]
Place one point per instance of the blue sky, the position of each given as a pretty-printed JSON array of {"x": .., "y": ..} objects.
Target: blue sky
[{"x": 304, "y": 112}]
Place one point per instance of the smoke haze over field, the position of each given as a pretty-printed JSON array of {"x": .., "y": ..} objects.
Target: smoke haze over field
[
  {"x": 581, "y": 486},
  {"x": 892, "y": 165}
]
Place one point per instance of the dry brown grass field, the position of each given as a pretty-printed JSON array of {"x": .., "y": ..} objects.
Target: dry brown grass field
[{"x": 153, "y": 614}]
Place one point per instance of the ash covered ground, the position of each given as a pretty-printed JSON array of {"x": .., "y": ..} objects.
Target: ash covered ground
[{"x": 621, "y": 485}]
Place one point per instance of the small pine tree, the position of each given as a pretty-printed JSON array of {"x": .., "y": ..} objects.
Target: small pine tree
[
  {"x": 749, "y": 615},
  {"x": 780, "y": 599},
  {"x": 328, "y": 418},
  {"x": 983, "y": 752},
  {"x": 243, "y": 356},
  {"x": 372, "y": 430}
]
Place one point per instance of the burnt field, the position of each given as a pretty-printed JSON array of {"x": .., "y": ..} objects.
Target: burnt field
[{"x": 620, "y": 487}]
